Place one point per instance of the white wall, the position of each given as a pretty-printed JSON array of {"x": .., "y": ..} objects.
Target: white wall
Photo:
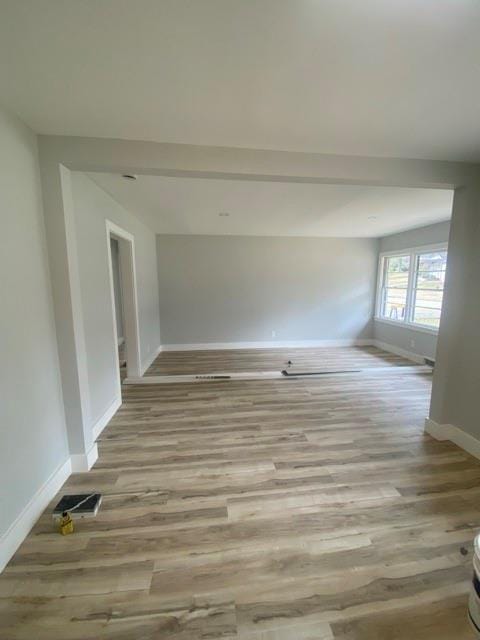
[
  {"x": 240, "y": 289},
  {"x": 92, "y": 206},
  {"x": 33, "y": 437},
  {"x": 419, "y": 342}
]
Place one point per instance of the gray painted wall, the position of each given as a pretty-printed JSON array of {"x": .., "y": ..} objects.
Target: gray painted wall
[
  {"x": 456, "y": 382},
  {"x": 417, "y": 342},
  {"x": 238, "y": 288},
  {"x": 431, "y": 234},
  {"x": 92, "y": 207},
  {"x": 406, "y": 338},
  {"x": 33, "y": 436},
  {"x": 117, "y": 287}
]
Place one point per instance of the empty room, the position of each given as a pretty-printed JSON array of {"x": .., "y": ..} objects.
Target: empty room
[{"x": 240, "y": 256}]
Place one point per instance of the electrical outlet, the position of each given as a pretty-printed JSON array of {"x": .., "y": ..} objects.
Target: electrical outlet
[{"x": 274, "y": 334}]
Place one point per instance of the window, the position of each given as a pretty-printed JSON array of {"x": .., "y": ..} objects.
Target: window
[
  {"x": 411, "y": 286},
  {"x": 429, "y": 281},
  {"x": 395, "y": 287}
]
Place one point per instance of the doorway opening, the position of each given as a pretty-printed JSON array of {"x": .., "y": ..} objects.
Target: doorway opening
[
  {"x": 123, "y": 294},
  {"x": 119, "y": 312}
]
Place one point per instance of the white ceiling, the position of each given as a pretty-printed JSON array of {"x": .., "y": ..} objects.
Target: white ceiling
[
  {"x": 367, "y": 77},
  {"x": 192, "y": 205}
]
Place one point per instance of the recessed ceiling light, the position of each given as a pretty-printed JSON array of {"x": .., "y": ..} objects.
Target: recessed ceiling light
[
  {"x": 223, "y": 214},
  {"x": 129, "y": 176}
]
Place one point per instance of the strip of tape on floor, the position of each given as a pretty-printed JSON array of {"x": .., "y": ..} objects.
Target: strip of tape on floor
[
  {"x": 294, "y": 374},
  {"x": 394, "y": 370}
]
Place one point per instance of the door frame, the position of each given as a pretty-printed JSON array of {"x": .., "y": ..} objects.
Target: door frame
[{"x": 128, "y": 278}]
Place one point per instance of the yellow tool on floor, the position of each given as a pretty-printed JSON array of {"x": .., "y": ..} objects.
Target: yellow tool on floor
[
  {"x": 66, "y": 521},
  {"x": 66, "y": 524}
]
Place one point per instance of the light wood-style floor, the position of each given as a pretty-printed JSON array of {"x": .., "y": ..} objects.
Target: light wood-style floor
[
  {"x": 289, "y": 509},
  {"x": 247, "y": 360}
]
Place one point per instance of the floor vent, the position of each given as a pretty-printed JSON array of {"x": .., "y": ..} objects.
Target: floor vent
[{"x": 78, "y": 505}]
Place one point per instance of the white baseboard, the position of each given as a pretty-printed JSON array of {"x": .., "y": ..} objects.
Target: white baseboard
[
  {"x": 274, "y": 344},
  {"x": 409, "y": 355},
  {"x": 449, "y": 432},
  {"x": 102, "y": 422},
  {"x": 151, "y": 358},
  {"x": 22, "y": 525},
  {"x": 84, "y": 461}
]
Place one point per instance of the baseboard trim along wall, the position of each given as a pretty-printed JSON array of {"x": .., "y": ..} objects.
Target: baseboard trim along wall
[
  {"x": 449, "y": 432},
  {"x": 21, "y": 527},
  {"x": 102, "y": 422},
  {"x": 409, "y": 355},
  {"x": 84, "y": 461},
  {"x": 289, "y": 344}
]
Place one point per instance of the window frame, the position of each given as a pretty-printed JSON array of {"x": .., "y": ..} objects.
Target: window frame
[{"x": 413, "y": 253}]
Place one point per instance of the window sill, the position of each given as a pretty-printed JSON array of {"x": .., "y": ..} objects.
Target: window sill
[{"x": 407, "y": 325}]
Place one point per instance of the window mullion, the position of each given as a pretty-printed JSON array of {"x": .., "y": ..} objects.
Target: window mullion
[
  {"x": 383, "y": 289},
  {"x": 410, "y": 287}
]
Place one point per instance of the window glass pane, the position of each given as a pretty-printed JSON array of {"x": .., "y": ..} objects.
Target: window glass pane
[
  {"x": 436, "y": 261},
  {"x": 395, "y": 304},
  {"x": 395, "y": 284},
  {"x": 431, "y": 280},
  {"x": 429, "y": 284},
  {"x": 428, "y": 317},
  {"x": 398, "y": 263},
  {"x": 397, "y": 279},
  {"x": 428, "y": 299},
  {"x": 396, "y": 271}
]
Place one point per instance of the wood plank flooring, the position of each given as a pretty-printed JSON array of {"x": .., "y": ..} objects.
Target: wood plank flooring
[
  {"x": 311, "y": 509},
  {"x": 246, "y": 360}
]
